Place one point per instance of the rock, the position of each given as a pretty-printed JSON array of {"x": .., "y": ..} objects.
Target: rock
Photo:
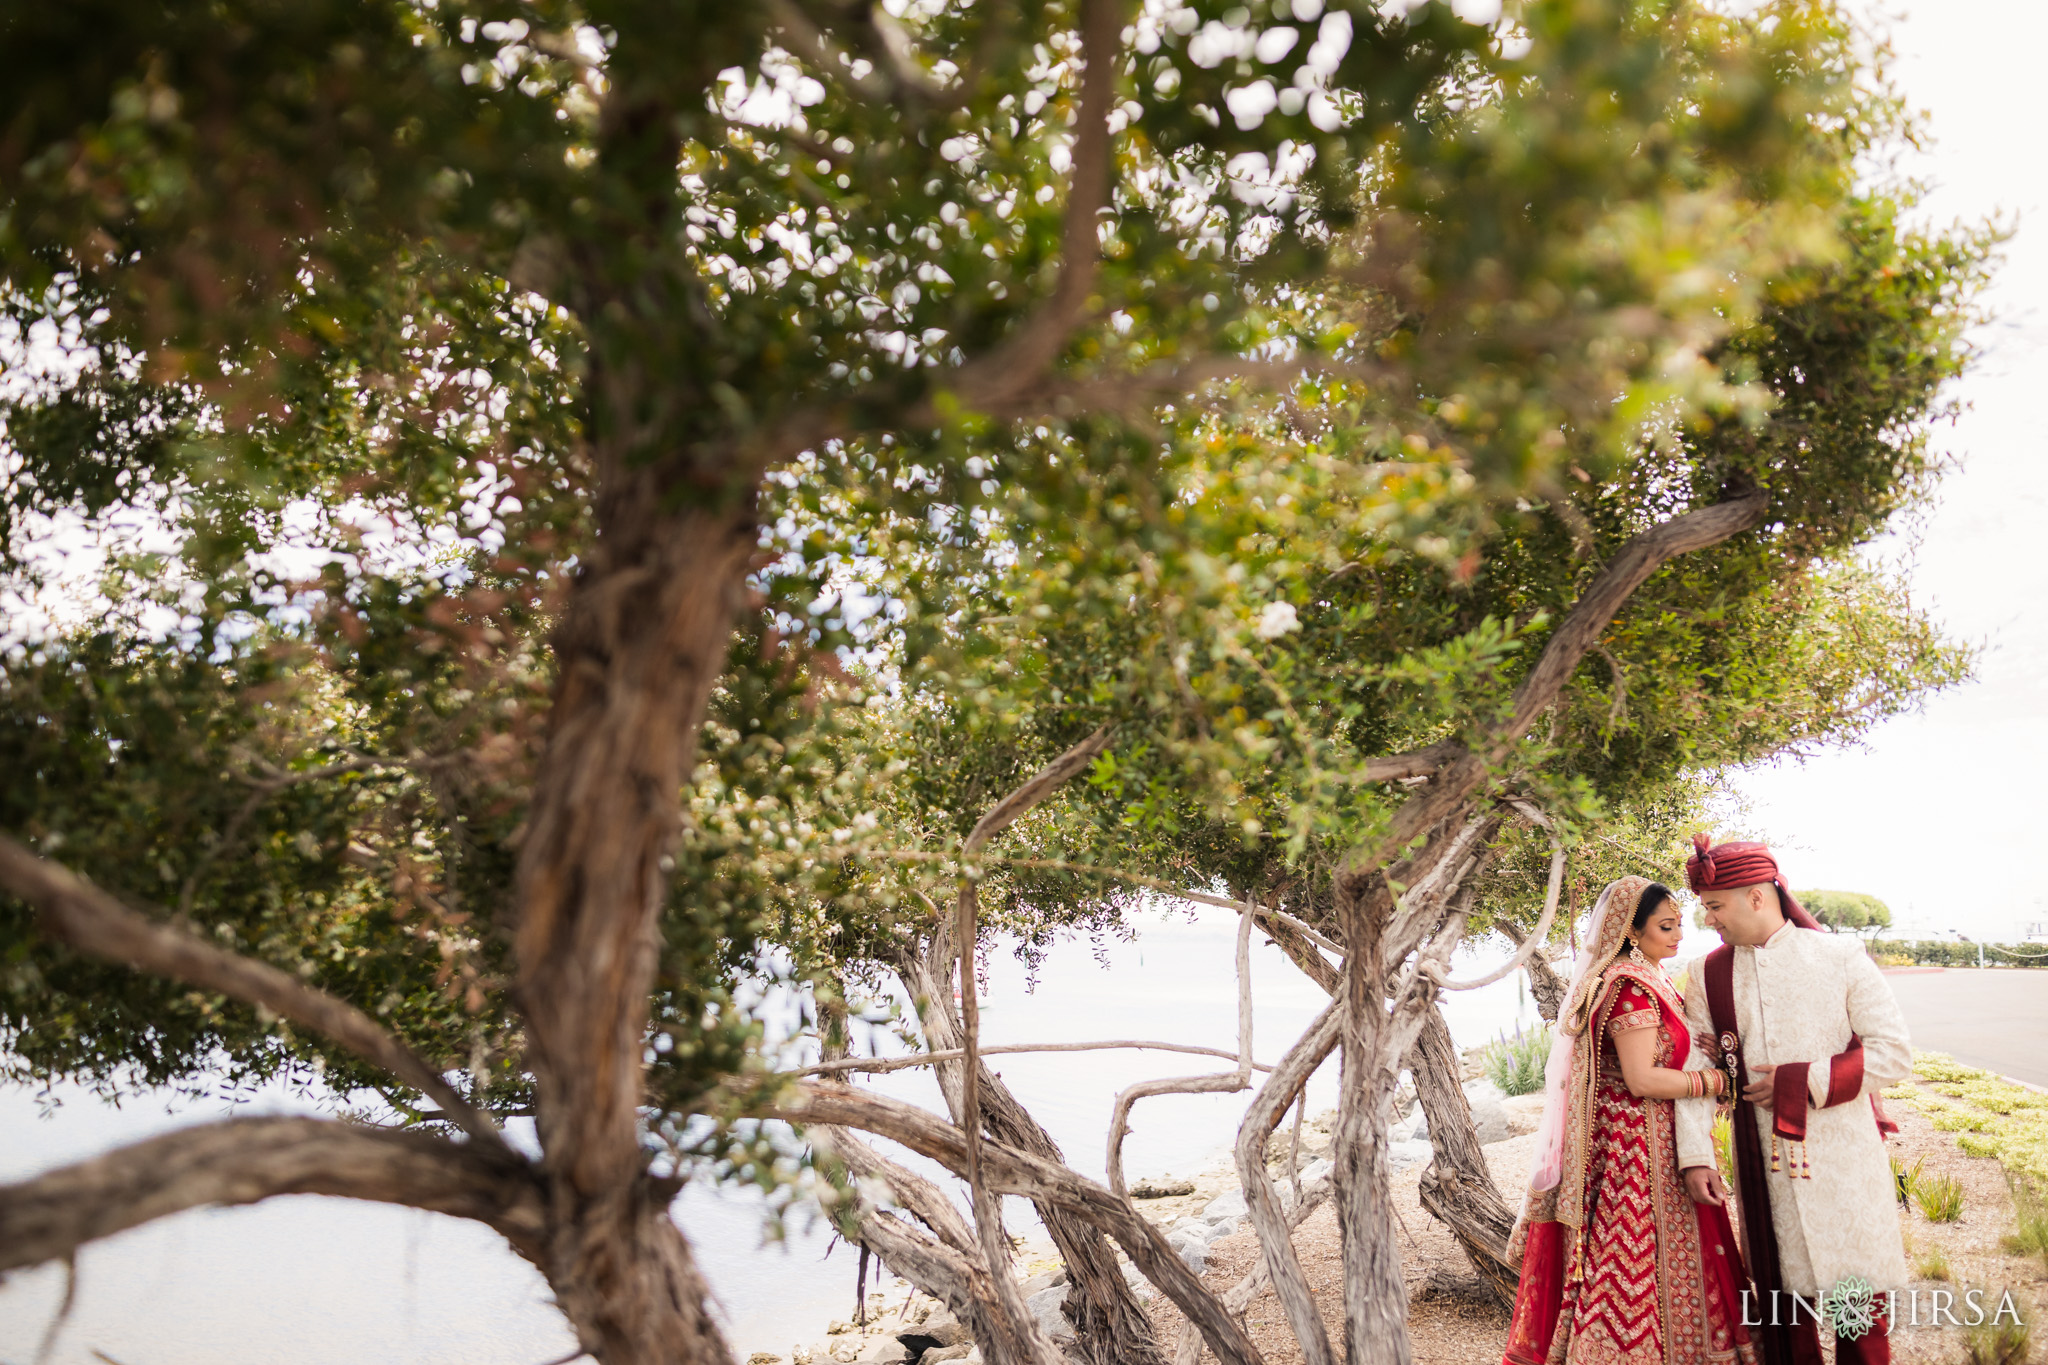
[
  {"x": 1483, "y": 1089},
  {"x": 945, "y": 1353},
  {"x": 839, "y": 1327},
  {"x": 1473, "y": 1063},
  {"x": 1045, "y": 1306},
  {"x": 1192, "y": 1248},
  {"x": 1038, "y": 1284},
  {"x": 883, "y": 1351},
  {"x": 1141, "y": 1288},
  {"x": 1320, "y": 1170},
  {"x": 1490, "y": 1121},
  {"x": 1161, "y": 1187},
  {"x": 764, "y": 1358},
  {"x": 1416, "y": 1125},
  {"x": 946, "y": 1329},
  {"x": 841, "y": 1349},
  {"x": 1402, "y": 1155},
  {"x": 1229, "y": 1204},
  {"x": 1313, "y": 1144},
  {"x": 1524, "y": 1112}
]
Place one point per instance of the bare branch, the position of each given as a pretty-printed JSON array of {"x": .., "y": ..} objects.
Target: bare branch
[
  {"x": 1630, "y": 568},
  {"x": 1030, "y": 1341},
  {"x": 73, "y": 911},
  {"x": 879, "y": 1065},
  {"x": 914, "y": 855},
  {"x": 1041, "y": 785},
  {"x": 1227, "y": 1082},
  {"x": 1530, "y": 945},
  {"x": 1187, "y": 1347},
  {"x": 1010, "y": 1171},
  {"x": 811, "y": 43},
  {"x": 1290, "y": 1284},
  {"x": 1415, "y": 763},
  {"x": 1016, "y": 366},
  {"x": 241, "y": 1161}
]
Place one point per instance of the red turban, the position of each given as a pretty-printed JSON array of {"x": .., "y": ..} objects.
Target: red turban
[{"x": 1741, "y": 864}]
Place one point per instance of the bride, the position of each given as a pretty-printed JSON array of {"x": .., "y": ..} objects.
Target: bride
[{"x": 1619, "y": 1266}]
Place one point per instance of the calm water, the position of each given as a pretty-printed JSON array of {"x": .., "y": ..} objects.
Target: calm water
[{"x": 315, "y": 1281}]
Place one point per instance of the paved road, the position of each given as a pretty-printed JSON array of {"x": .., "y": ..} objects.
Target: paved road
[{"x": 1988, "y": 1018}]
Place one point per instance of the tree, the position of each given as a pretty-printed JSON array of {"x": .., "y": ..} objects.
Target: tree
[
  {"x": 1850, "y": 911},
  {"x": 539, "y": 401}
]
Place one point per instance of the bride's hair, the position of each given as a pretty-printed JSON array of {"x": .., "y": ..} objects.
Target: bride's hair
[{"x": 1654, "y": 895}]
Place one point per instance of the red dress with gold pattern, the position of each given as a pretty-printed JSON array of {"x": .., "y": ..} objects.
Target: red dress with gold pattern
[{"x": 1654, "y": 1278}]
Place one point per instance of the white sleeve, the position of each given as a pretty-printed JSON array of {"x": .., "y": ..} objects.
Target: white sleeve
[
  {"x": 1874, "y": 1017},
  {"x": 1695, "y": 1117}
]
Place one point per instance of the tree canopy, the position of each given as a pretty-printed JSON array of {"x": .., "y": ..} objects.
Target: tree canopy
[{"x": 1850, "y": 911}]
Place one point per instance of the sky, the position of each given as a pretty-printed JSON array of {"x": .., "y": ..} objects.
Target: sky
[{"x": 1941, "y": 814}]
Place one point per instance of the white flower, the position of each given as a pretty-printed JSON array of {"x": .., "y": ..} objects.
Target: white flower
[{"x": 1276, "y": 620}]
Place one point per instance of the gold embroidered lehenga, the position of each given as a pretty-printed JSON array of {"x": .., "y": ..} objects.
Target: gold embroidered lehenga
[{"x": 1619, "y": 1265}]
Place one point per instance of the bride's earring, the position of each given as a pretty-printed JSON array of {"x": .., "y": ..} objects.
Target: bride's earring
[{"x": 1635, "y": 954}]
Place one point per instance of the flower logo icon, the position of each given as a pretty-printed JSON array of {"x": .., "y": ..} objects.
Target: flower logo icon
[{"x": 1850, "y": 1307}]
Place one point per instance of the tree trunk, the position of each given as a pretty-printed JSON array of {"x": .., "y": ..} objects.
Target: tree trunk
[
  {"x": 642, "y": 643},
  {"x": 1546, "y": 986},
  {"x": 1375, "y": 1296},
  {"x": 623, "y": 1275},
  {"x": 1458, "y": 1189}
]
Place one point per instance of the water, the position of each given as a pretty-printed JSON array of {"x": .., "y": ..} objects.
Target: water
[{"x": 316, "y": 1280}]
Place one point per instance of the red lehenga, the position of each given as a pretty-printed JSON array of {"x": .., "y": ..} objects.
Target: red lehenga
[{"x": 1619, "y": 1265}]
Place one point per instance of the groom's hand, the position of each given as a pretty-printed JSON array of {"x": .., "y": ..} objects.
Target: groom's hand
[
  {"x": 1758, "y": 1091},
  {"x": 1705, "y": 1186}
]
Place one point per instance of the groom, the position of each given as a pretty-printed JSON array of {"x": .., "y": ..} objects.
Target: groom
[{"x": 1807, "y": 1028}]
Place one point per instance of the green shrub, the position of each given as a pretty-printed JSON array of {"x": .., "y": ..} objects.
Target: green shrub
[
  {"x": 1990, "y": 1116},
  {"x": 1892, "y": 953},
  {"x": 1516, "y": 1064},
  {"x": 1997, "y": 1343},
  {"x": 1903, "y": 1177},
  {"x": 1940, "y": 1197},
  {"x": 1931, "y": 1263},
  {"x": 2030, "y": 1209}
]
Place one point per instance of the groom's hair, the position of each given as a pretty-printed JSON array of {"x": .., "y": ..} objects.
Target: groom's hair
[{"x": 1654, "y": 895}]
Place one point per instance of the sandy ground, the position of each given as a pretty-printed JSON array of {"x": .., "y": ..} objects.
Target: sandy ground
[
  {"x": 1972, "y": 1243},
  {"x": 1452, "y": 1320},
  {"x": 1450, "y": 1316}
]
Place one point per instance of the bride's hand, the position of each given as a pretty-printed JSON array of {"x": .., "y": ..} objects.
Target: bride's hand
[{"x": 1705, "y": 1186}]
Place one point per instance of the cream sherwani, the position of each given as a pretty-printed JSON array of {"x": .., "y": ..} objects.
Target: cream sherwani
[{"x": 1797, "y": 999}]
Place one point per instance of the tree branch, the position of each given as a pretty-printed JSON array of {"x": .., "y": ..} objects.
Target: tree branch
[
  {"x": 1016, "y": 366},
  {"x": 242, "y": 1161},
  {"x": 1575, "y": 636},
  {"x": 73, "y": 911},
  {"x": 1041, "y": 785},
  {"x": 1290, "y": 1283},
  {"x": 1530, "y": 945},
  {"x": 1227, "y": 1082},
  {"x": 988, "y": 1225},
  {"x": 878, "y": 1065},
  {"x": 1010, "y": 1171}
]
